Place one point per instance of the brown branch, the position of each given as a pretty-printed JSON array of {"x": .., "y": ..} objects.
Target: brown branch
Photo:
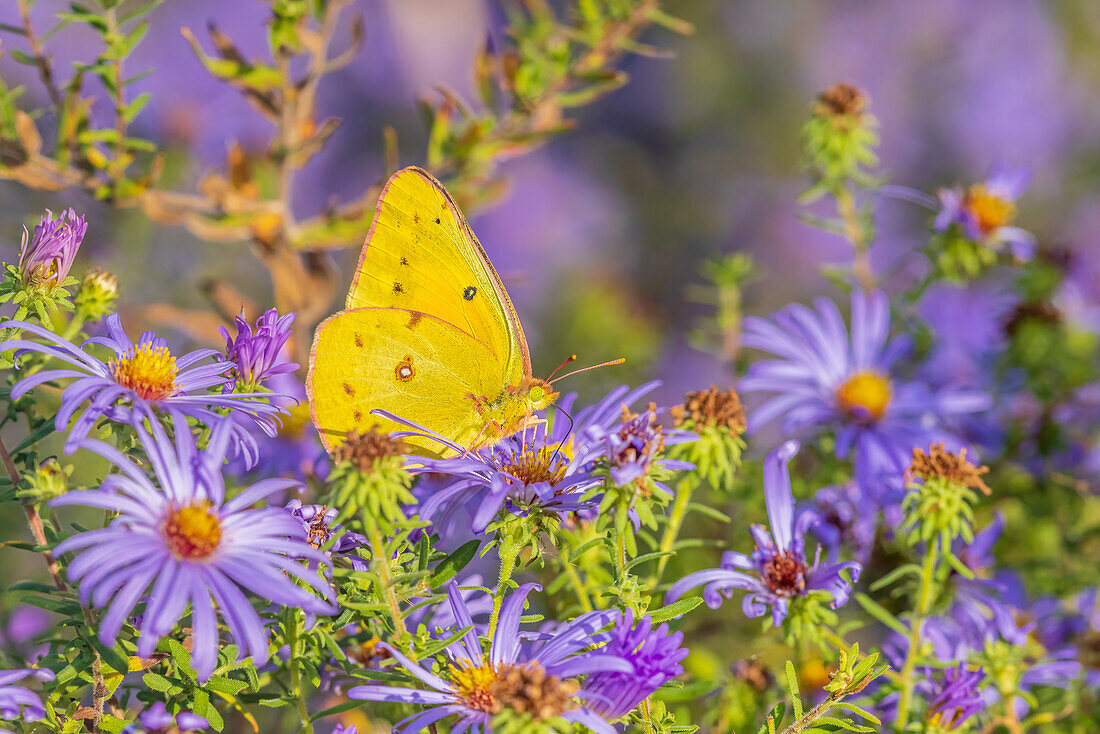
[
  {"x": 45, "y": 72},
  {"x": 33, "y": 519}
]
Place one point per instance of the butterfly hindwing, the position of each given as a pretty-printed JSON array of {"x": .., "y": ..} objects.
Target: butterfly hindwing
[{"x": 410, "y": 363}]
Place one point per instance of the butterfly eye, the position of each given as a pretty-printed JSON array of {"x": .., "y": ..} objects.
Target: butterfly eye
[{"x": 536, "y": 394}]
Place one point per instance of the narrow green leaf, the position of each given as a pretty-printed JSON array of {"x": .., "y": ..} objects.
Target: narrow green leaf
[{"x": 450, "y": 566}]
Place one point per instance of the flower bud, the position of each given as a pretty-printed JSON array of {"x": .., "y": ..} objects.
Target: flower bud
[{"x": 45, "y": 258}]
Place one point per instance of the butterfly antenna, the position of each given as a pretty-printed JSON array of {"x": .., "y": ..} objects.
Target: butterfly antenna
[
  {"x": 570, "y": 359},
  {"x": 620, "y": 360},
  {"x": 567, "y": 433}
]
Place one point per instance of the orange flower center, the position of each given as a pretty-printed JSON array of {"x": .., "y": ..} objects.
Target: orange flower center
[
  {"x": 864, "y": 394},
  {"x": 989, "y": 210},
  {"x": 193, "y": 532},
  {"x": 149, "y": 371}
]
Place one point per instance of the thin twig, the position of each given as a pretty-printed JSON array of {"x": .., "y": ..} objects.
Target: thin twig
[
  {"x": 45, "y": 72},
  {"x": 34, "y": 520}
]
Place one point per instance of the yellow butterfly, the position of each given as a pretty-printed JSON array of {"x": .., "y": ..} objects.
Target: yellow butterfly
[{"x": 428, "y": 332}]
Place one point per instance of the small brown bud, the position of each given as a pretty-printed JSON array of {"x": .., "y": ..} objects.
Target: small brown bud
[{"x": 940, "y": 463}]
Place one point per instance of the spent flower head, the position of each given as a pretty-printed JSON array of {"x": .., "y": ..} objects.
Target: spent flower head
[
  {"x": 718, "y": 419},
  {"x": 943, "y": 488},
  {"x": 369, "y": 475},
  {"x": 839, "y": 139}
]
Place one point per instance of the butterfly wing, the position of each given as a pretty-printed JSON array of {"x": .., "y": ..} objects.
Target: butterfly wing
[
  {"x": 407, "y": 362},
  {"x": 421, "y": 255}
]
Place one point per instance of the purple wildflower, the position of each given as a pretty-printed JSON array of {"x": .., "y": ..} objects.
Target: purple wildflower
[
  {"x": 827, "y": 378},
  {"x": 777, "y": 571},
  {"x": 632, "y": 446},
  {"x": 981, "y": 603},
  {"x": 476, "y": 688},
  {"x": 19, "y": 631},
  {"x": 183, "y": 539},
  {"x": 157, "y": 720},
  {"x": 955, "y": 697},
  {"x": 139, "y": 379},
  {"x": 16, "y": 702},
  {"x": 984, "y": 211},
  {"x": 845, "y": 519},
  {"x": 654, "y": 655},
  {"x": 257, "y": 355},
  {"x": 321, "y": 527},
  {"x": 45, "y": 258}
]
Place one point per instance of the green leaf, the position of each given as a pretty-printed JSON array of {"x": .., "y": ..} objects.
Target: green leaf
[
  {"x": 880, "y": 613},
  {"x": 157, "y": 682},
  {"x": 676, "y": 609},
  {"x": 23, "y": 57},
  {"x": 450, "y": 566},
  {"x": 776, "y": 715},
  {"x": 337, "y": 709},
  {"x": 792, "y": 690}
]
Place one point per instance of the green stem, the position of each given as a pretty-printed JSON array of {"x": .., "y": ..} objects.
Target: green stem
[
  {"x": 382, "y": 567},
  {"x": 578, "y": 585},
  {"x": 811, "y": 716},
  {"x": 857, "y": 234},
  {"x": 925, "y": 597},
  {"x": 509, "y": 549},
  {"x": 295, "y": 674},
  {"x": 675, "y": 520}
]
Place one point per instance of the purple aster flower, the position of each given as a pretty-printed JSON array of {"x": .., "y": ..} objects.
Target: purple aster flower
[
  {"x": 16, "y": 702},
  {"x": 341, "y": 729},
  {"x": 139, "y": 379},
  {"x": 845, "y": 520},
  {"x": 180, "y": 540},
  {"x": 257, "y": 355},
  {"x": 654, "y": 655},
  {"x": 827, "y": 378},
  {"x": 157, "y": 720},
  {"x": 984, "y": 211},
  {"x": 18, "y": 633},
  {"x": 955, "y": 696},
  {"x": 982, "y": 604},
  {"x": 321, "y": 527},
  {"x": 631, "y": 447},
  {"x": 777, "y": 571},
  {"x": 45, "y": 258},
  {"x": 475, "y": 688}
]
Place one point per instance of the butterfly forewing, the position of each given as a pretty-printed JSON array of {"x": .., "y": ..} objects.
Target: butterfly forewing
[{"x": 421, "y": 255}]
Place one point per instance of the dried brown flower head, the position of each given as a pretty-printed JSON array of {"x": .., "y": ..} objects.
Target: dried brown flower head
[
  {"x": 841, "y": 100},
  {"x": 712, "y": 408},
  {"x": 527, "y": 689},
  {"x": 365, "y": 450},
  {"x": 942, "y": 464}
]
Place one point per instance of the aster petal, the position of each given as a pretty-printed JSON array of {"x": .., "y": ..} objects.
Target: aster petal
[
  {"x": 424, "y": 719},
  {"x": 777, "y": 493},
  {"x": 417, "y": 671},
  {"x": 589, "y": 719},
  {"x": 399, "y": 694},
  {"x": 505, "y": 644},
  {"x": 469, "y": 642}
]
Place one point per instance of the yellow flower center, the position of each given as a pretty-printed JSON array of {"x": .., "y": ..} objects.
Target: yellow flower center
[
  {"x": 149, "y": 371},
  {"x": 989, "y": 210},
  {"x": 193, "y": 532},
  {"x": 475, "y": 686},
  {"x": 864, "y": 394},
  {"x": 533, "y": 465}
]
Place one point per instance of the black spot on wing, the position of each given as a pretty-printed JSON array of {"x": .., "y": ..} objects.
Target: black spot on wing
[
  {"x": 469, "y": 293},
  {"x": 397, "y": 288}
]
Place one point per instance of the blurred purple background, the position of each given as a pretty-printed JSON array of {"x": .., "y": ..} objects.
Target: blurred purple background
[{"x": 601, "y": 233}]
